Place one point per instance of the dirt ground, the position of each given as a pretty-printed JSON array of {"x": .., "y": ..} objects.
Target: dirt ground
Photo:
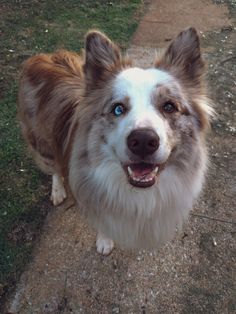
[{"x": 195, "y": 273}]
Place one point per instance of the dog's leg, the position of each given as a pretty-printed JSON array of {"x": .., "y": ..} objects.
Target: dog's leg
[
  {"x": 104, "y": 244},
  {"x": 58, "y": 191}
]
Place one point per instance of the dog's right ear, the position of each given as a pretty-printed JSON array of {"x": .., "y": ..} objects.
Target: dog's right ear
[
  {"x": 102, "y": 57},
  {"x": 183, "y": 58}
]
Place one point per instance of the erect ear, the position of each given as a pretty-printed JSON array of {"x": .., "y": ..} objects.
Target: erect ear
[
  {"x": 102, "y": 57},
  {"x": 183, "y": 57}
]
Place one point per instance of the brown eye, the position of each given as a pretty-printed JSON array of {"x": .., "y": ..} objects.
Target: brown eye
[{"x": 169, "y": 107}]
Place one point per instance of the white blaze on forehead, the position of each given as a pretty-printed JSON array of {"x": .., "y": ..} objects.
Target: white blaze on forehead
[{"x": 138, "y": 85}]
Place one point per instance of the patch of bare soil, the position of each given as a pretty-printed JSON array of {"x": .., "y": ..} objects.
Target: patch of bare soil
[
  {"x": 195, "y": 273},
  {"x": 164, "y": 19}
]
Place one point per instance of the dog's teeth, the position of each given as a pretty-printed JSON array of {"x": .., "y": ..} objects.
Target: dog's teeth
[
  {"x": 156, "y": 170},
  {"x": 142, "y": 179},
  {"x": 130, "y": 171}
]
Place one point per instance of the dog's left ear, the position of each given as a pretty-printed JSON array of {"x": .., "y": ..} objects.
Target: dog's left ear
[
  {"x": 102, "y": 57},
  {"x": 183, "y": 57}
]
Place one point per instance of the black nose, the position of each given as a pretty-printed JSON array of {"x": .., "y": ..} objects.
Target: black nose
[{"x": 143, "y": 142}]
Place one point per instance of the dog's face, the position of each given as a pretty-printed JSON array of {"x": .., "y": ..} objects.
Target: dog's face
[
  {"x": 154, "y": 114},
  {"x": 143, "y": 121},
  {"x": 141, "y": 137}
]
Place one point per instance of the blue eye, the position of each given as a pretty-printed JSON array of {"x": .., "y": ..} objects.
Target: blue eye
[{"x": 118, "y": 110}]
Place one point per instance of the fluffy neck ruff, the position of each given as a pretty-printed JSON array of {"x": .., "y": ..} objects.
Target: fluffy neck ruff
[{"x": 134, "y": 217}]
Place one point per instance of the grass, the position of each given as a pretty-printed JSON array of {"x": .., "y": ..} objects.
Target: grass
[{"x": 26, "y": 28}]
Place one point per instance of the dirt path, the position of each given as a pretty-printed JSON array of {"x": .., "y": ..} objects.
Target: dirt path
[{"x": 195, "y": 273}]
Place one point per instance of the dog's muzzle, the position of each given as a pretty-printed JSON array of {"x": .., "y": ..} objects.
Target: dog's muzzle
[{"x": 142, "y": 144}]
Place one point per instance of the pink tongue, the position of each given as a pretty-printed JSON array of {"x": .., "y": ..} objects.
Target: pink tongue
[{"x": 141, "y": 170}]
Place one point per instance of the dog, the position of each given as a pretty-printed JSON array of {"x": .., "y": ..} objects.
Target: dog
[{"x": 129, "y": 143}]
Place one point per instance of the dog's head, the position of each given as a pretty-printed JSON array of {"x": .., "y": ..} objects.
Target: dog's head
[{"x": 142, "y": 121}]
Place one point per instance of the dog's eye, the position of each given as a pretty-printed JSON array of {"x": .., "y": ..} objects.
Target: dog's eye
[
  {"x": 118, "y": 109},
  {"x": 169, "y": 107}
]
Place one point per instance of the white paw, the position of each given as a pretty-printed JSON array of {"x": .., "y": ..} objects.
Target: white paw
[
  {"x": 104, "y": 245},
  {"x": 58, "y": 196},
  {"x": 58, "y": 191}
]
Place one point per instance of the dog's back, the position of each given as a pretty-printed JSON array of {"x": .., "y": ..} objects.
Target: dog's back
[{"x": 49, "y": 93}]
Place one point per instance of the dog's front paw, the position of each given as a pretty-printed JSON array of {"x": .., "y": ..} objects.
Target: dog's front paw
[
  {"x": 58, "y": 191},
  {"x": 58, "y": 196},
  {"x": 104, "y": 245}
]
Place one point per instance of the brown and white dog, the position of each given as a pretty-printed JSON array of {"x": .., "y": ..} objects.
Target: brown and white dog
[{"x": 130, "y": 142}]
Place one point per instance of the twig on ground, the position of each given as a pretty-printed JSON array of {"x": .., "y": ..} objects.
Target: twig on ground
[
  {"x": 216, "y": 219},
  {"x": 228, "y": 59}
]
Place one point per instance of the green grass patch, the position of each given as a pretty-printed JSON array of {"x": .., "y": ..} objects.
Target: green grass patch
[{"x": 26, "y": 28}]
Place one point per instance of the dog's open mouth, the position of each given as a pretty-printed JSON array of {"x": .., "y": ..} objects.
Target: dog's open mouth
[{"x": 142, "y": 175}]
